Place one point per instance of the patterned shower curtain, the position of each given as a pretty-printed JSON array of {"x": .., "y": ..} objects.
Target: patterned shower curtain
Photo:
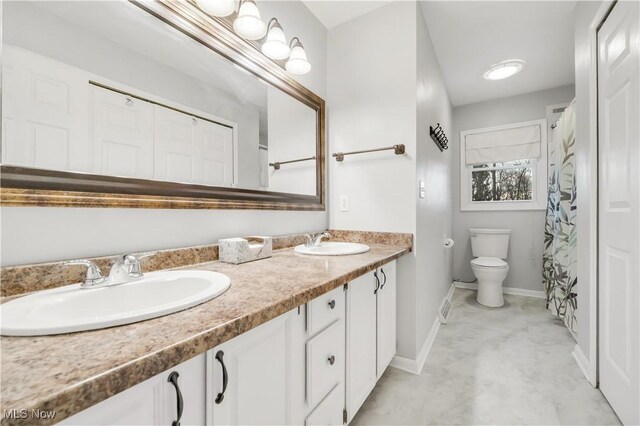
[{"x": 560, "y": 248}]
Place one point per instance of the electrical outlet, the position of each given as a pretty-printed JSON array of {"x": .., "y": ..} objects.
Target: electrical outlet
[
  {"x": 344, "y": 203},
  {"x": 421, "y": 187}
]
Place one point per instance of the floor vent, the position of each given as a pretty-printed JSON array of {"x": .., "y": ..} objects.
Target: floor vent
[{"x": 445, "y": 310}]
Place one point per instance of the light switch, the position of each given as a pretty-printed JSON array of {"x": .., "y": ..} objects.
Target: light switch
[
  {"x": 344, "y": 203},
  {"x": 421, "y": 187}
]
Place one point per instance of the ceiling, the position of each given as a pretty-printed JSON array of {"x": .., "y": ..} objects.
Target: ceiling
[
  {"x": 470, "y": 36},
  {"x": 333, "y": 13}
]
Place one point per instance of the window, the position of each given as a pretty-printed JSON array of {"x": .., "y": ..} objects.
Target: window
[{"x": 504, "y": 168}]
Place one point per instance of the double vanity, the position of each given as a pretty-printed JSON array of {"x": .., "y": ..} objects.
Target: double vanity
[{"x": 295, "y": 339}]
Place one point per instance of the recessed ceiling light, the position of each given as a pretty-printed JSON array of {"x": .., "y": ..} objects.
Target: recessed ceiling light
[{"x": 504, "y": 69}]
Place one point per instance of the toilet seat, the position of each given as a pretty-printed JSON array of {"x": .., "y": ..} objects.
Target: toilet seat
[{"x": 489, "y": 262}]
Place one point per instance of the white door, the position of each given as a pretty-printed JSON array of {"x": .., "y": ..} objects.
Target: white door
[
  {"x": 386, "y": 316},
  {"x": 45, "y": 113},
  {"x": 619, "y": 211},
  {"x": 154, "y": 401},
  {"x": 258, "y": 381},
  {"x": 361, "y": 341},
  {"x": 122, "y": 135},
  {"x": 176, "y": 151},
  {"x": 216, "y": 141}
]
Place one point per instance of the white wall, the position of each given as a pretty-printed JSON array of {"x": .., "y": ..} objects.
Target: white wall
[
  {"x": 47, "y": 234},
  {"x": 527, "y": 227},
  {"x": 384, "y": 87},
  {"x": 434, "y": 222}
]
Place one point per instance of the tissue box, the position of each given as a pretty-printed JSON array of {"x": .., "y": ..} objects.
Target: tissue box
[{"x": 241, "y": 250}]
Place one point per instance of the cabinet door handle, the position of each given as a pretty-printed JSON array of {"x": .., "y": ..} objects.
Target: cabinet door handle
[
  {"x": 331, "y": 359},
  {"x": 225, "y": 377},
  {"x": 332, "y": 304},
  {"x": 128, "y": 101},
  {"x": 375, "y": 274},
  {"x": 385, "y": 278},
  {"x": 173, "y": 379}
]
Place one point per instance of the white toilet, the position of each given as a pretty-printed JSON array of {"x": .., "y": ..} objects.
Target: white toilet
[{"x": 489, "y": 248}]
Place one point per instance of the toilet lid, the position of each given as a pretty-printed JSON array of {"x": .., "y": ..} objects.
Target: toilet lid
[{"x": 489, "y": 262}]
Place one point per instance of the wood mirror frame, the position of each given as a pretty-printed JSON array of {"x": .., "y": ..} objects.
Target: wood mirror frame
[{"x": 24, "y": 186}]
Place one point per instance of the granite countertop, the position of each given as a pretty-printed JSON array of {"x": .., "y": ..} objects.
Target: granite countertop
[{"x": 71, "y": 372}]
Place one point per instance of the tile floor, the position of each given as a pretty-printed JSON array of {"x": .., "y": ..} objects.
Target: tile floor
[{"x": 506, "y": 366}]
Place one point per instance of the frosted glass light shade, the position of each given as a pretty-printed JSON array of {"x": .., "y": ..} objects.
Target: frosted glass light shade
[
  {"x": 276, "y": 46},
  {"x": 248, "y": 24},
  {"x": 504, "y": 69},
  {"x": 217, "y": 7},
  {"x": 298, "y": 63}
]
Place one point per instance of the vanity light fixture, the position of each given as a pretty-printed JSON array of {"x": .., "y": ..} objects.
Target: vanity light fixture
[
  {"x": 297, "y": 63},
  {"x": 275, "y": 47},
  {"x": 218, "y": 8},
  {"x": 504, "y": 69},
  {"x": 249, "y": 24}
]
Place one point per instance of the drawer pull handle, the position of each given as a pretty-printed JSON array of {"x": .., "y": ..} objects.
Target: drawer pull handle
[
  {"x": 173, "y": 379},
  {"x": 385, "y": 278},
  {"x": 332, "y": 304},
  {"x": 332, "y": 360},
  {"x": 225, "y": 377}
]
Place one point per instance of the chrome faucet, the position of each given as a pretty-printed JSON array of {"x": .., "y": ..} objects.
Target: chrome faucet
[
  {"x": 125, "y": 269},
  {"x": 314, "y": 240}
]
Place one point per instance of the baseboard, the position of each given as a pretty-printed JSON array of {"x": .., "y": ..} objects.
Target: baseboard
[
  {"x": 584, "y": 364},
  {"x": 415, "y": 365},
  {"x": 538, "y": 294}
]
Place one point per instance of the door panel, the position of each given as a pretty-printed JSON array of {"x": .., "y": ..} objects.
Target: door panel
[
  {"x": 618, "y": 210},
  {"x": 122, "y": 135},
  {"x": 386, "y": 317},
  {"x": 258, "y": 365},
  {"x": 361, "y": 341}
]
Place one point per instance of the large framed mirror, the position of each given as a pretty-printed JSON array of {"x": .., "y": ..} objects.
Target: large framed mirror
[{"x": 151, "y": 103}]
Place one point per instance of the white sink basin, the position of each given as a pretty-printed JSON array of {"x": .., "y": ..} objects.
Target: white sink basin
[
  {"x": 71, "y": 308},
  {"x": 333, "y": 249}
]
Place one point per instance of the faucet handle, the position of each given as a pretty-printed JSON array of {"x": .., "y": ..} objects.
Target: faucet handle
[
  {"x": 94, "y": 274},
  {"x": 132, "y": 261}
]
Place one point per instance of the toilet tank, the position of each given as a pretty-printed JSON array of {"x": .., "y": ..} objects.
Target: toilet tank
[{"x": 490, "y": 242}]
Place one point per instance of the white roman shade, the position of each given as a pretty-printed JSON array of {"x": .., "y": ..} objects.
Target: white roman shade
[{"x": 498, "y": 146}]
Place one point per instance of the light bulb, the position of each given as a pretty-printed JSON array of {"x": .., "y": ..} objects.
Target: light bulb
[
  {"x": 217, "y": 7},
  {"x": 276, "y": 47},
  {"x": 504, "y": 69},
  {"x": 297, "y": 63},
  {"x": 248, "y": 24}
]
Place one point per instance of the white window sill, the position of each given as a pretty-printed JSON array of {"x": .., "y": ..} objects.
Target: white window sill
[{"x": 502, "y": 207}]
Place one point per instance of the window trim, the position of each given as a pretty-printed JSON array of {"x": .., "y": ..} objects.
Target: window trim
[{"x": 539, "y": 174}]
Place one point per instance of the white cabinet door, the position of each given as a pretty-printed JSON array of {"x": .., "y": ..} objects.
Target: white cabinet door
[
  {"x": 619, "y": 210},
  {"x": 361, "y": 341},
  {"x": 154, "y": 401},
  {"x": 45, "y": 113},
  {"x": 122, "y": 135},
  {"x": 386, "y": 316},
  {"x": 256, "y": 366}
]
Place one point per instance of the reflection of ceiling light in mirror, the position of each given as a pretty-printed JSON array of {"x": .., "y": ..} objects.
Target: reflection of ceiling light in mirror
[
  {"x": 276, "y": 47},
  {"x": 504, "y": 69},
  {"x": 217, "y": 7},
  {"x": 248, "y": 24},
  {"x": 297, "y": 63}
]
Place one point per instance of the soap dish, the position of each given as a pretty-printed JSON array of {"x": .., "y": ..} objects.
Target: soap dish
[{"x": 247, "y": 249}]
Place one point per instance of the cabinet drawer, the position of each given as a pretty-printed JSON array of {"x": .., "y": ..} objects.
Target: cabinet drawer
[
  {"x": 325, "y": 310},
  {"x": 325, "y": 362},
  {"x": 329, "y": 412}
]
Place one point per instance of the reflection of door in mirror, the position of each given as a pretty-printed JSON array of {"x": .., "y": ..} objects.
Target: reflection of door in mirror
[{"x": 103, "y": 87}]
